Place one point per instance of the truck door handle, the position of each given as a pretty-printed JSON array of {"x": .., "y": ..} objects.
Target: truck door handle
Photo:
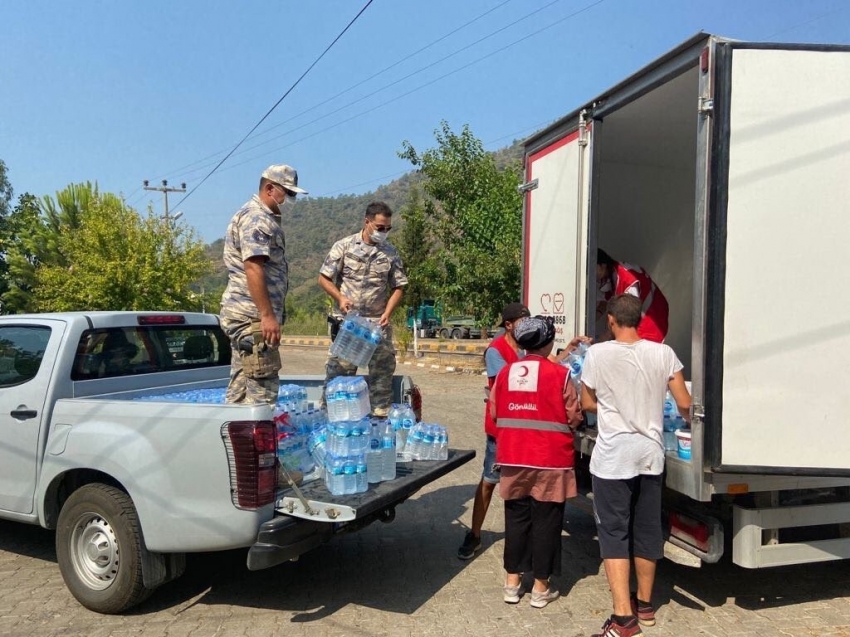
[{"x": 23, "y": 414}]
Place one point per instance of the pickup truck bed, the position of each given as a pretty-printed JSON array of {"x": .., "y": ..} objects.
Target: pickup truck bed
[{"x": 285, "y": 537}]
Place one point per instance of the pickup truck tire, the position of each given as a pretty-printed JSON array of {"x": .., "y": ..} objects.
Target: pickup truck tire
[{"x": 98, "y": 547}]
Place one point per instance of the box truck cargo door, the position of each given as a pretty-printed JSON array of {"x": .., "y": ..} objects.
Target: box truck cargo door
[
  {"x": 554, "y": 232},
  {"x": 780, "y": 231}
]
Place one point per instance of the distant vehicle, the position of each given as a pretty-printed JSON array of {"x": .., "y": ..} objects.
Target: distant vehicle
[{"x": 431, "y": 324}]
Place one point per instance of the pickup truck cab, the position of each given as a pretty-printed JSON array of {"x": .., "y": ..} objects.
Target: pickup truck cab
[{"x": 131, "y": 481}]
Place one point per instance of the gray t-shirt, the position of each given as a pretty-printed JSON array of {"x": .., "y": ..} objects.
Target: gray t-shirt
[{"x": 630, "y": 381}]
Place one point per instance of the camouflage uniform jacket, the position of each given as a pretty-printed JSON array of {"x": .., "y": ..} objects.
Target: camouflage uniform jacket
[
  {"x": 254, "y": 231},
  {"x": 364, "y": 273}
]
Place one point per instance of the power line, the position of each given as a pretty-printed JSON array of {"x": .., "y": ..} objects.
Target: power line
[
  {"x": 403, "y": 172},
  {"x": 398, "y": 81},
  {"x": 276, "y": 104},
  {"x": 350, "y": 88},
  {"x": 804, "y": 23},
  {"x": 418, "y": 88}
]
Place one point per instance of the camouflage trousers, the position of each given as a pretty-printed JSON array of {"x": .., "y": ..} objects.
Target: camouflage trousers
[
  {"x": 380, "y": 378},
  {"x": 253, "y": 374}
]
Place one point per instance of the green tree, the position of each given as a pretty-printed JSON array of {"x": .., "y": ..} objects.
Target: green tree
[
  {"x": 115, "y": 259},
  {"x": 417, "y": 247},
  {"x": 475, "y": 212},
  {"x": 22, "y": 244}
]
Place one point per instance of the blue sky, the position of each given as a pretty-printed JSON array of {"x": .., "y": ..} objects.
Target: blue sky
[{"x": 117, "y": 92}]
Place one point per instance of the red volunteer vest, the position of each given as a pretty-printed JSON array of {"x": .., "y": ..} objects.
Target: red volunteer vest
[
  {"x": 654, "y": 311},
  {"x": 530, "y": 415},
  {"x": 501, "y": 345}
]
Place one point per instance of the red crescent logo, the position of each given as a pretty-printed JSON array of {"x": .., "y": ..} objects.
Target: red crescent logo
[{"x": 524, "y": 371}]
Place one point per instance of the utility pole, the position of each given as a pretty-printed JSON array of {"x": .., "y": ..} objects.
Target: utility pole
[{"x": 164, "y": 189}]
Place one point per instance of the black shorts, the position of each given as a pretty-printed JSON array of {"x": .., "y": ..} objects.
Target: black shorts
[{"x": 628, "y": 517}]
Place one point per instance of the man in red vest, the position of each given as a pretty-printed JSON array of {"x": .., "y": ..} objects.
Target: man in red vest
[
  {"x": 615, "y": 278},
  {"x": 502, "y": 350},
  {"x": 536, "y": 407}
]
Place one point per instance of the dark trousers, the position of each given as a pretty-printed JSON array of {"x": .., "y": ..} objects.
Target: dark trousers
[{"x": 533, "y": 537}]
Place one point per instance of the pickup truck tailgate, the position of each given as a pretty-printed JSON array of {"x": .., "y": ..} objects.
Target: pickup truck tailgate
[
  {"x": 286, "y": 537},
  {"x": 410, "y": 477}
]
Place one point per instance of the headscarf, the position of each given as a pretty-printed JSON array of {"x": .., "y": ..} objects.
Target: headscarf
[{"x": 535, "y": 332}]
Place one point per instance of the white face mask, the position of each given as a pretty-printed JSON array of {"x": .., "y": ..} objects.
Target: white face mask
[
  {"x": 285, "y": 205},
  {"x": 378, "y": 237}
]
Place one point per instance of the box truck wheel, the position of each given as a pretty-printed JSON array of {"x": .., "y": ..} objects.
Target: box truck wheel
[{"x": 98, "y": 547}]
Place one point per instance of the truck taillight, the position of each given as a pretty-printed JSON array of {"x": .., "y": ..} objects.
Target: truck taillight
[
  {"x": 252, "y": 455},
  {"x": 690, "y": 531},
  {"x": 415, "y": 397}
]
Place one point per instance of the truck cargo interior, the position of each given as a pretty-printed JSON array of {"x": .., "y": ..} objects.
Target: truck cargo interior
[{"x": 645, "y": 183}]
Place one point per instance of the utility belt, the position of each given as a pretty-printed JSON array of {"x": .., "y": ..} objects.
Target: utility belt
[{"x": 258, "y": 359}]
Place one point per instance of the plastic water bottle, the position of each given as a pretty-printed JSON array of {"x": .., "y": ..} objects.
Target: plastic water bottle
[
  {"x": 427, "y": 448},
  {"x": 363, "y": 396},
  {"x": 349, "y": 472},
  {"x": 672, "y": 421},
  {"x": 362, "y": 477},
  {"x": 408, "y": 420},
  {"x": 360, "y": 431},
  {"x": 342, "y": 345},
  {"x": 444, "y": 444},
  {"x": 414, "y": 441},
  {"x": 353, "y": 398},
  {"x": 373, "y": 456},
  {"x": 387, "y": 451},
  {"x": 334, "y": 478}
]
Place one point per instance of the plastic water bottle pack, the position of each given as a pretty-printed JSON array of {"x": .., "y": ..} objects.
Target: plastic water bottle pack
[
  {"x": 356, "y": 340},
  {"x": 347, "y": 398},
  {"x": 402, "y": 419},
  {"x": 427, "y": 442}
]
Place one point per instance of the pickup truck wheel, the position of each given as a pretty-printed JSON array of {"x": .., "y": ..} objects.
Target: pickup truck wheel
[
  {"x": 457, "y": 333},
  {"x": 98, "y": 547}
]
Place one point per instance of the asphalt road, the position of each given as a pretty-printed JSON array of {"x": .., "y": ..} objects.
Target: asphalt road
[{"x": 403, "y": 578}]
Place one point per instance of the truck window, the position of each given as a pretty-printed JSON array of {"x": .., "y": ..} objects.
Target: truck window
[
  {"x": 111, "y": 352},
  {"x": 21, "y": 352}
]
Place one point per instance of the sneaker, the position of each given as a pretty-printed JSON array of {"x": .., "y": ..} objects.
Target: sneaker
[
  {"x": 541, "y": 599},
  {"x": 470, "y": 545},
  {"x": 511, "y": 594},
  {"x": 644, "y": 612},
  {"x": 612, "y": 629}
]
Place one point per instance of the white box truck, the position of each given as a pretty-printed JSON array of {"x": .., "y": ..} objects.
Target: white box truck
[{"x": 722, "y": 168}]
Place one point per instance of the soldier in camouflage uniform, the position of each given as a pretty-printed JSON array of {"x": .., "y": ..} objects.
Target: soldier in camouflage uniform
[
  {"x": 252, "y": 306},
  {"x": 364, "y": 273}
]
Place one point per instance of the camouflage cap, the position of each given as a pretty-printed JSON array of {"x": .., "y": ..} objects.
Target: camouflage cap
[{"x": 285, "y": 176}]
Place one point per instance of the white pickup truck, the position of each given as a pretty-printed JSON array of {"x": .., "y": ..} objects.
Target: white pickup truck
[{"x": 132, "y": 485}]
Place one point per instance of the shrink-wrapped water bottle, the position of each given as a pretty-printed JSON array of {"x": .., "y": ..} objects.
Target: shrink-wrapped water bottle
[
  {"x": 362, "y": 470},
  {"x": 374, "y": 457},
  {"x": 444, "y": 444},
  {"x": 334, "y": 477},
  {"x": 349, "y": 472},
  {"x": 387, "y": 451}
]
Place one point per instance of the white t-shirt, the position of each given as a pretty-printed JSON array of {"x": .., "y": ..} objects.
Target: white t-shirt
[{"x": 630, "y": 381}]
